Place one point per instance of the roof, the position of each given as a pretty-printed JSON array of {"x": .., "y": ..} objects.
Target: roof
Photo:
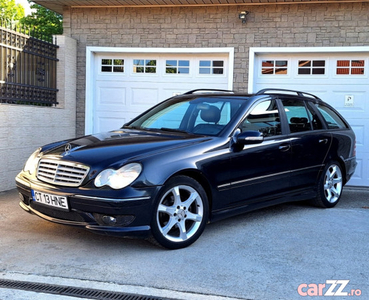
[{"x": 57, "y": 5}]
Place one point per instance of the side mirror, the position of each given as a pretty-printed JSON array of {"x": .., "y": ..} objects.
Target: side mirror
[{"x": 249, "y": 137}]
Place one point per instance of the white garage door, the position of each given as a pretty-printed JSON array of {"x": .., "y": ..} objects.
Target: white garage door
[
  {"x": 341, "y": 79},
  {"x": 127, "y": 84}
]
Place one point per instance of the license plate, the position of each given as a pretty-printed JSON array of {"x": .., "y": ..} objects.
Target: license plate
[{"x": 50, "y": 200}]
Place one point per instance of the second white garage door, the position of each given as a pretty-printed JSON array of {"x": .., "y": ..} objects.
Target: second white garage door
[
  {"x": 127, "y": 84},
  {"x": 338, "y": 77}
]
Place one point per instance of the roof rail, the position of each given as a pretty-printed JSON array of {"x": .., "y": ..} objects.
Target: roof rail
[
  {"x": 208, "y": 90},
  {"x": 301, "y": 94}
]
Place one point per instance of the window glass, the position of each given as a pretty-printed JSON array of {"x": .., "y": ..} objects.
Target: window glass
[
  {"x": 214, "y": 67},
  {"x": 333, "y": 120},
  {"x": 170, "y": 117},
  {"x": 218, "y": 67},
  {"x": 350, "y": 67},
  {"x": 274, "y": 67},
  {"x": 177, "y": 67},
  {"x": 203, "y": 116},
  {"x": 311, "y": 67},
  {"x": 144, "y": 66},
  {"x": 112, "y": 65},
  {"x": 224, "y": 109},
  {"x": 298, "y": 117},
  {"x": 264, "y": 118}
]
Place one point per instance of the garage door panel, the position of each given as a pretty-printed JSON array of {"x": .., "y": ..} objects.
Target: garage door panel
[
  {"x": 134, "y": 89},
  {"x": 360, "y": 135},
  {"x": 124, "y": 91},
  {"x": 361, "y": 129},
  {"x": 350, "y": 102},
  {"x": 359, "y": 175},
  {"x": 109, "y": 122},
  {"x": 172, "y": 91},
  {"x": 110, "y": 97},
  {"x": 143, "y": 96}
]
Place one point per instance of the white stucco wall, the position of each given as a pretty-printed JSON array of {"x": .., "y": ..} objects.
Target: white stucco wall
[{"x": 24, "y": 128}]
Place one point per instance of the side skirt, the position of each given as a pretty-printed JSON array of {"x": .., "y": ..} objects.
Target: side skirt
[{"x": 297, "y": 195}]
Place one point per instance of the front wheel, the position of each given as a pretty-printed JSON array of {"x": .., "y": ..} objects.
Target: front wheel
[
  {"x": 330, "y": 186},
  {"x": 180, "y": 214}
]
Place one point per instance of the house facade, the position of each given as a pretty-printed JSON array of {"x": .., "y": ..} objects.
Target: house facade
[{"x": 132, "y": 54}]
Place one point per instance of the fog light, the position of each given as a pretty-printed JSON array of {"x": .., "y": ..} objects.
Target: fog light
[
  {"x": 116, "y": 220},
  {"x": 109, "y": 220}
]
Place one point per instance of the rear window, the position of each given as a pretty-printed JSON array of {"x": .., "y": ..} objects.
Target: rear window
[{"x": 333, "y": 120}]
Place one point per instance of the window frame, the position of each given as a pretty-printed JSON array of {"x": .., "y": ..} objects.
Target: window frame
[
  {"x": 274, "y": 67},
  {"x": 336, "y": 114},
  {"x": 279, "y": 113},
  {"x": 311, "y": 67},
  {"x": 350, "y": 68},
  {"x": 144, "y": 66},
  {"x": 211, "y": 67},
  {"x": 112, "y": 65},
  {"x": 177, "y": 67}
]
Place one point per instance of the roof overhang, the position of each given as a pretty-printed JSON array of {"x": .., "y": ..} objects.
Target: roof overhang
[{"x": 58, "y": 5}]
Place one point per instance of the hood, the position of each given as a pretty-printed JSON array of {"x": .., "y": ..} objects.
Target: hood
[{"x": 113, "y": 148}]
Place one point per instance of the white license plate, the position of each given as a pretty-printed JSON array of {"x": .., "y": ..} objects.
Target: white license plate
[{"x": 50, "y": 199}]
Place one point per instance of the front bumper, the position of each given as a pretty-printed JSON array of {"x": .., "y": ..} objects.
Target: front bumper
[{"x": 128, "y": 215}]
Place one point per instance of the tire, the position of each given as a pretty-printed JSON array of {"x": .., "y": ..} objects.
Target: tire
[
  {"x": 329, "y": 186},
  {"x": 180, "y": 213}
]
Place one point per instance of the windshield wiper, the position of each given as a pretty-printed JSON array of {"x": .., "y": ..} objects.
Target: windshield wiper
[
  {"x": 156, "y": 129},
  {"x": 130, "y": 127},
  {"x": 173, "y": 130}
]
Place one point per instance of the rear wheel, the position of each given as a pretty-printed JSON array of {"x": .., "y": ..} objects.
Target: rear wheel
[
  {"x": 181, "y": 213},
  {"x": 330, "y": 186}
]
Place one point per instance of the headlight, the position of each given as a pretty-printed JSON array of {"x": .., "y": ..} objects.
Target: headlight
[
  {"x": 118, "y": 179},
  {"x": 32, "y": 161}
]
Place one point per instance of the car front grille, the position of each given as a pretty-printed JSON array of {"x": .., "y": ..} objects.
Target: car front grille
[{"x": 61, "y": 172}]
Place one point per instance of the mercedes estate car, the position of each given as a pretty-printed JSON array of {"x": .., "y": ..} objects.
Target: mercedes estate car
[{"x": 190, "y": 160}]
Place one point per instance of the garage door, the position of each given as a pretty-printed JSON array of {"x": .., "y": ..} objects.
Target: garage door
[
  {"x": 341, "y": 79},
  {"x": 127, "y": 84}
]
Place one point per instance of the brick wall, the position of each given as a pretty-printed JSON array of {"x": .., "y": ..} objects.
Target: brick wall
[
  {"x": 25, "y": 128},
  {"x": 305, "y": 25}
]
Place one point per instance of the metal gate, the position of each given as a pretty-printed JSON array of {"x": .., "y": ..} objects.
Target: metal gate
[{"x": 28, "y": 69}]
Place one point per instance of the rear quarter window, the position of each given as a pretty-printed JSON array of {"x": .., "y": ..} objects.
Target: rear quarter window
[{"x": 333, "y": 120}]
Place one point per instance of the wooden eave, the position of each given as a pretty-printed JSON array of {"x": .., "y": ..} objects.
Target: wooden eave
[{"x": 58, "y": 5}]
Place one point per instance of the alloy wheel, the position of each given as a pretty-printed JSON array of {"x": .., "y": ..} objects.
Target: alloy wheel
[
  {"x": 333, "y": 183},
  {"x": 180, "y": 213}
]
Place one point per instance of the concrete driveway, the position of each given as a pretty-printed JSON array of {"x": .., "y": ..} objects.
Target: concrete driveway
[{"x": 290, "y": 251}]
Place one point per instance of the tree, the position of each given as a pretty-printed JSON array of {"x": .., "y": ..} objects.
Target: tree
[
  {"x": 43, "y": 21},
  {"x": 10, "y": 12}
]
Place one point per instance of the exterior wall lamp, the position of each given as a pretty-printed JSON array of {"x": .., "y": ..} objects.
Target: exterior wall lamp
[{"x": 242, "y": 16}]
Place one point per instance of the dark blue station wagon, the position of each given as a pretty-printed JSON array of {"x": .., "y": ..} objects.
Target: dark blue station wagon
[{"x": 193, "y": 159}]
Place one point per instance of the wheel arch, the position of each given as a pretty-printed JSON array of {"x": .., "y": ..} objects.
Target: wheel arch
[
  {"x": 341, "y": 161},
  {"x": 201, "y": 179}
]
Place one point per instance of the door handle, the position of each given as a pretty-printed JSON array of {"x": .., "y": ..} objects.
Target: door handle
[
  {"x": 325, "y": 141},
  {"x": 284, "y": 147}
]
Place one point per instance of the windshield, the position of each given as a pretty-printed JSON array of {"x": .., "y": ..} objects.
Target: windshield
[{"x": 203, "y": 115}]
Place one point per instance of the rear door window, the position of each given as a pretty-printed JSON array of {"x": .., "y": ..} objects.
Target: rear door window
[{"x": 298, "y": 117}]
